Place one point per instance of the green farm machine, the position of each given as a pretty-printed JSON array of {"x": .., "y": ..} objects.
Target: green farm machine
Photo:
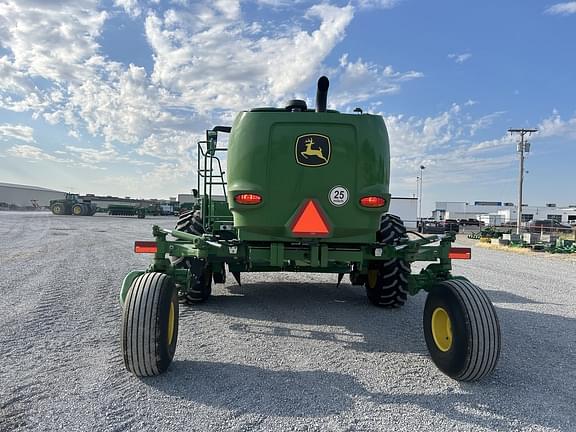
[
  {"x": 72, "y": 204},
  {"x": 126, "y": 210},
  {"x": 306, "y": 190}
]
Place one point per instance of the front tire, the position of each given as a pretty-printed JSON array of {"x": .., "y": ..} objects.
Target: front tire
[
  {"x": 57, "y": 209},
  {"x": 461, "y": 330},
  {"x": 150, "y": 324}
]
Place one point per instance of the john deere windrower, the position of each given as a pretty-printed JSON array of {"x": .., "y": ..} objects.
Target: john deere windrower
[{"x": 306, "y": 191}]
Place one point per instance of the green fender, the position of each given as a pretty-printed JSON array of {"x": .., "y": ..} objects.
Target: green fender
[{"x": 127, "y": 283}]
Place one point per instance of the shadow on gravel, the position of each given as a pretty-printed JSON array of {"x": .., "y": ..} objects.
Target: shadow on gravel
[
  {"x": 531, "y": 387},
  {"x": 320, "y": 311},
  {"x": 250, "y": 389},
  {"x": 506, "y": 297}
]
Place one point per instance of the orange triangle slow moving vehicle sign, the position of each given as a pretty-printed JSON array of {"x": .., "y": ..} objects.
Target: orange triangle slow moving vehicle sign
[{"x": 310, "y": 222}]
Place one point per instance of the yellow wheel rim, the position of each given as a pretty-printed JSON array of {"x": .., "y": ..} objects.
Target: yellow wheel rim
[
  {"x": 442, "y": 329},
  {"x": 171, "y": 319},
  {"x": 372, "y": 278},
  {"x": 57, "y": 209},
  {"x": 77, "y": 210}
]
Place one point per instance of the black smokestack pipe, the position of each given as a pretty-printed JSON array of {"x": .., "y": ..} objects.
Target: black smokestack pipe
[{"x": 322, "y": 94}]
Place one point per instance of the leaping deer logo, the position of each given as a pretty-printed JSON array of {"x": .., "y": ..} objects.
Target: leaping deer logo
[{"x": 312, "y": 152}]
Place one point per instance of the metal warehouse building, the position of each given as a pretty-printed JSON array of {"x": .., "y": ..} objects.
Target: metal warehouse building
[
  {"x": 27, "y": 196},
  {"x": 496, "y": 212}
]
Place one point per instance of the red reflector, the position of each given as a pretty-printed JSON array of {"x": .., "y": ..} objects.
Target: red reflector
[
  {"x": 248, "y": 198},
  {"x": 372, "y": 201},
  {"x": 145, "y": 247},
  {"x": 460, "y": 253},
  {"x": 310, "y": 221}
]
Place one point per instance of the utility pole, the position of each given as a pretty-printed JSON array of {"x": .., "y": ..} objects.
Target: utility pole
[
  {"x": 422, "y": 167},
  {"x": 523, "y": 147}
]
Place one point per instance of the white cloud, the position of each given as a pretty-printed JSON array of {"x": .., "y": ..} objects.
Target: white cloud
[
  {"x": 209, "y": 61},
  {"x": 555, "y": 126},
  {"x": 359, "y": 81},
  {"x": 93, "y": 155},
  {"x": 460, "y": 58},
  {"x": 278, "y": 3},
  {"x": 566, "y": 8},
  {"x": 19, "y": 132},
  {"x": 30, "y": 152},
  {"x": 484, "y": 121},
  {"x": 377, "y": 4},
  {"x": 51, "y": 39},
  {"x": 132, "y": 7},
  {"x": 124, "y": 107},
  {"x": 442, "y": 143},
  {"x": 170, "y": 145},
  {"x": 244, "y": 71}
]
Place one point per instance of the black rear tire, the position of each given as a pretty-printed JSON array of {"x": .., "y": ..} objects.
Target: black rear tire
[
  {"x": 150, "y": 324},
  {"x": 78, "y": 210},
  {"x": 387, "y": 281},
  {"x": 201, "y": 284},
  {"x": 461, "y": 330}
]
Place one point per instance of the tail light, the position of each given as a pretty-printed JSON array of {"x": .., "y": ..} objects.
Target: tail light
[
  {"x": 372, "y": 201},
  {"x": 460, "y": 253},
  {"x": 145, "y": 247},
  {"x": 248, "y": 198}
]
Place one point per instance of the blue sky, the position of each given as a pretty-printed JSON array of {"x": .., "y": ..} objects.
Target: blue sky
[{"x": 110, "y": 96}]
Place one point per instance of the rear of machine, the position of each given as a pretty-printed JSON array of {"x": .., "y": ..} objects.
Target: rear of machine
[
  {"x": 286, "y": 162},
  {"x": 305, "y": 191}
]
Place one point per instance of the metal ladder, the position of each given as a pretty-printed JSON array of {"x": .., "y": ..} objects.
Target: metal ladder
[{"x": 211, "y": 174}]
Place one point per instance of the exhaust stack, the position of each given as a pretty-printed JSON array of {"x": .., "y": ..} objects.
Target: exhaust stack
[{"x": 322, "y": 94}]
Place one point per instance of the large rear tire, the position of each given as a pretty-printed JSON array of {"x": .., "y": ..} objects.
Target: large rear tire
[
  {"x": 150, "y": 324},
  {"x": 201, "y": 283},
  {"x": 78, "y": 210},
  {"x": 461, "y": 330},
  {"x": 387, "y": 281}
]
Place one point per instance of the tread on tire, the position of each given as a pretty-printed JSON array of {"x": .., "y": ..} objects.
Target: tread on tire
[
  {"x": 475, "y": 331},
  {"x": 387, "y": 281},
  {"x": 150, "y": 324}
]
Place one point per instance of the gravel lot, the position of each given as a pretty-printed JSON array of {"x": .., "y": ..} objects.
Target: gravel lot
[{"x": 282, "y": 352}]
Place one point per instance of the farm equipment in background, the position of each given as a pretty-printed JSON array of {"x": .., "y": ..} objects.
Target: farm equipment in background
[
  {"x": 306, "y": 191},
  {"x": 73, "y": 205},
  {"x": 126, "y": 210}
]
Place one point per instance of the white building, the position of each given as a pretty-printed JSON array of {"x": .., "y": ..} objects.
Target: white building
[
  {"x": 27, "y": 196},
  {"x": 406, "y": 209},
  {"x": 494, "y": 212}
]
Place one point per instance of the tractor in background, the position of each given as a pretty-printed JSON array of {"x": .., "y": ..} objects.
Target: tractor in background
[{"x": 72, "y": 204}]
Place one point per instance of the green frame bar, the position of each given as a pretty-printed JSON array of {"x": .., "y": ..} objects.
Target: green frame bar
[{"x": 307, "y": 256}]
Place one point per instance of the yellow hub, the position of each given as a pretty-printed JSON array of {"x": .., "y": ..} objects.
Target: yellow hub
[
  {"x": 442, "y": 329},
  {"x": 77, "y": 210},
  {"x": 372, "y": 278},
  {"x": 171, "y": 319}
]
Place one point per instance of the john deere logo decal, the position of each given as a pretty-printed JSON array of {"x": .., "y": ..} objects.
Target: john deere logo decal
[{"x": 313, "y": 150}]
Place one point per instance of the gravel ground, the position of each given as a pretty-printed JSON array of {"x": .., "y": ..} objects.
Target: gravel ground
[{"x": 282, "y": 352}]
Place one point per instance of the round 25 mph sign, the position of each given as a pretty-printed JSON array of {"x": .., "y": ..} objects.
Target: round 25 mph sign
[{"x": 338, "y": 196}]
